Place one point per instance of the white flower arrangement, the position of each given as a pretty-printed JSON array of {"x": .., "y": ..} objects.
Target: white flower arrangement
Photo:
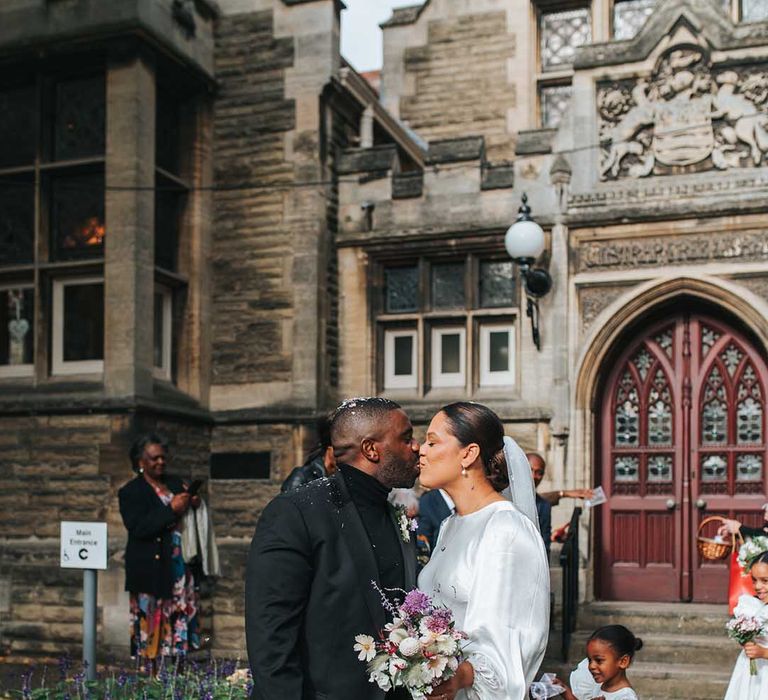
[
  {"x": 407, "y": 525},
  {"x": 418, "y": 650},
  {"x": 751, "y": 550}
]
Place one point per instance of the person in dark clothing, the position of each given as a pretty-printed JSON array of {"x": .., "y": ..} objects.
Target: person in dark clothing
[
  {"x": 319, "y": 463},
  {"x": 315, "y": 554},
  {"x": 163, "y": 599},
  {"x": 731, "y": 527},
  {"x": 434, "y": 507}
]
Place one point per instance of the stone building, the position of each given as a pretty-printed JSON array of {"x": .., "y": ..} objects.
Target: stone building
[{"x": 301, "y": 238}]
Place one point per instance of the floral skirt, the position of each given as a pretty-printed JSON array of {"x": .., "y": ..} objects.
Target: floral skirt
[{"x": 166, "y": 627}]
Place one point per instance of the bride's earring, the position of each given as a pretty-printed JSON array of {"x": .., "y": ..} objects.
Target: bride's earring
[{"x": 464, "y": 472}]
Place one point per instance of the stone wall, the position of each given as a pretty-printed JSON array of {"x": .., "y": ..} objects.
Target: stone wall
[
  {"x": 460, "y": 81},
  {"x": 252, "y": 296},
  {"x": 70, "y": 467}
]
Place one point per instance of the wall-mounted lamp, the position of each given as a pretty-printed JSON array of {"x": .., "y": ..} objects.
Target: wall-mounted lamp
[{"x": 524, "y": 242}]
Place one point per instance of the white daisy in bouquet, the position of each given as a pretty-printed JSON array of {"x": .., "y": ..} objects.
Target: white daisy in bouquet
[{"x": 417, "y": 651}]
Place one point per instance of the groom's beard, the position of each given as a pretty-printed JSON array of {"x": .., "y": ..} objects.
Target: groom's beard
[{"x": 395, "y": 473}]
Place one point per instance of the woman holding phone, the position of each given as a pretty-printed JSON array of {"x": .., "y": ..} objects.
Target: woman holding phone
[{"x": 163, "y": 600}]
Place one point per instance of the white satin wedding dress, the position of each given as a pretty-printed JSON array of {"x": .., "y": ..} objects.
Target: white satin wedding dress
[{"x": 490, "y": 568}]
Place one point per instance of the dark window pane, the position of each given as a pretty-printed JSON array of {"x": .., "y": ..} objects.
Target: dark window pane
[
  {"x": 159, "y": 326},
  {"x": 17, "y": 126},
  {"x": 403, "y": 355},
  {"x": 450, "y": 353},
  {"x": 16, "y": 326},
  {"x": 83, "y": 322},
  {"x": 498, "y": 342},
  {"x": 17, "y": 220},
  {"x": 167, "y": 135},
  {"x": 497, "y": 283},
  {"x": 448, "y": 286},
  {"x": 79, "y": 118},
  {"x": 168, "y": 208},
  {"x": 77, "y": 216},
  {"x": 240, "y": 465},
  {"x": 402, "y": 289}
]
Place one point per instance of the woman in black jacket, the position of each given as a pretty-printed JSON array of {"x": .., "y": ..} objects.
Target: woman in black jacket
[{"x": 163, "y": 601}]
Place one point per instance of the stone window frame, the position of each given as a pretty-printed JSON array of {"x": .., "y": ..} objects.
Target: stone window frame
[
  {"x": 559, "y": 76},
  {"x": 46, "y": 268},
  {"x": 424, "y": 321},
  {"x": 489, "y": 378}
]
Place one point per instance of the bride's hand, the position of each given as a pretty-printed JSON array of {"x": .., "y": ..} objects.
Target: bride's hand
[{"x": 463, "y": 678}]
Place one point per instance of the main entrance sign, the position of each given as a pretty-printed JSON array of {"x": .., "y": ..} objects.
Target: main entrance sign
[{"x": 682, "y": 437}]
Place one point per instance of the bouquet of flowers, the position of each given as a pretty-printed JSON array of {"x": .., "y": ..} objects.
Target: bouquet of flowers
[
  {"x": 743, "y": 629},
  {"x": 417, "y": 651}
]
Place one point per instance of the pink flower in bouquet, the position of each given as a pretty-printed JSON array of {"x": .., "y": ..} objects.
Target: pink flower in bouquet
[{"x": 743, "y": 629}]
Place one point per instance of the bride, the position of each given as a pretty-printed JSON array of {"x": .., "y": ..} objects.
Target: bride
[{"x": 489, "y": 565}]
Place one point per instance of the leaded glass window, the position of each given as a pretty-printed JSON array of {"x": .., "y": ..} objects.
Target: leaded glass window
[
  {"x": 659, "y": 468},
  {"x": 708, "y": 338},
  {"x": 561, "y": 33},
  {"x": 79, "y": 128},
  {"x": 714, "y": 414},
  {"x": 643, "y": 362},
  {"x": 448, "y": 286},
  {"x": 555, "y": 101},
  {"x": 401, "y": 289},
  {"x": 626, "y": 422},
  {"x": 731, "y": 358},
  {"x": 749, "y": 467},
  {"x": 749, "y": 412},
  {"x": 77, "y": 216},
  {"x": 629, "y": 16},
  {"x": 17, "y": 315},
  {"x": 167, "y": 132},
  {"x": 665, "y": 342},
  {"x": 18, "y": 125},
  {"x": 660, "y": 411},
  {"x": 714, "y": 468},
  {"x": 626, "y": 468},
  {"x": 754, "y": 10},
  {"x": 17, "y": 219},
  {"x": 497, "y": 283},
  {"x": 83, "y": 318},
  {"x": 169, "y": 202}
]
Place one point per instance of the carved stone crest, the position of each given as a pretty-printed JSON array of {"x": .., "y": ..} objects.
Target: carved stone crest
[{"x": 686, "y": 117}]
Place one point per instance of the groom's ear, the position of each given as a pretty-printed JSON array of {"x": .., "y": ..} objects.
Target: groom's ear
[
  {"x": 470, "y": 454},
  {"x": 369, "y": 450}
]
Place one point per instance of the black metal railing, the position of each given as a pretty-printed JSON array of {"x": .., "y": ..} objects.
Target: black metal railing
[{"x": 569, "y": 562}]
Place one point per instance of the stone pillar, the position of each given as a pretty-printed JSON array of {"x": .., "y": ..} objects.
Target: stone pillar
[
  {"x": 366, "y": 128},
  {"x": 129, "y": 254}
]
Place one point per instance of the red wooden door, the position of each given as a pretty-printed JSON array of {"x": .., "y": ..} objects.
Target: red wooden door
[{"x": 682, "y": 436}]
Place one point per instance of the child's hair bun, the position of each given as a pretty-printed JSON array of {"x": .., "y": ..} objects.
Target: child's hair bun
[{"x": 620, "y": 638}]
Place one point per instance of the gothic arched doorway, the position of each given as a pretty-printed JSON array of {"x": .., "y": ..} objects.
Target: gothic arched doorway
[{"x": 681, "y": 436}]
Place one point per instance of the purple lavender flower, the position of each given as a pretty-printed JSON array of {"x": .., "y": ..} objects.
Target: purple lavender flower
[{"x": 416, "y": 603}]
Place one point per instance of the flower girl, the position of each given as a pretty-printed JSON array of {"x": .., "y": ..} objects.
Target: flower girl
[
  {"x": 744, "y": 684},
  {"x": 603, "y": 674}
]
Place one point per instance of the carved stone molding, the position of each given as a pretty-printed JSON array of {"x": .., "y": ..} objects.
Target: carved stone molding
[
  {"x": 688, "y": 116},
  {"x": 659, "y": 251},
  {"x": 593, "y": 299},
  {"x": 756, "y": 285}
]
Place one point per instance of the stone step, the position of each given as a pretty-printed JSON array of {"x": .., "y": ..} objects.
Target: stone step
[
  {"x": 717, "y": 653},
  {"x": 659, "y": 681},
  {"x": 656, "y": 618}
]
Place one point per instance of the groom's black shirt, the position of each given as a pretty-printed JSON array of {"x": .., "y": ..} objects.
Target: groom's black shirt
[{"x": 370, "y": 498}]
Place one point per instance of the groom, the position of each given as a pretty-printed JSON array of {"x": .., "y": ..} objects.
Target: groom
[{"x": 315, "y": 554}]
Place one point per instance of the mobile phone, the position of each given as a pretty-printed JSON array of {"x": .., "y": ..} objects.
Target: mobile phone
[{"x": 194, "y": 487}]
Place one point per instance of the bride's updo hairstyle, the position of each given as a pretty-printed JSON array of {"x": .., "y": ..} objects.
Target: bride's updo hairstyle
[{"x": 472, "y": 422}]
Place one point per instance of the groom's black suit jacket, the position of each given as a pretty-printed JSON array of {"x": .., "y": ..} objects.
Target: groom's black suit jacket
[{"x": 308, "y": 593}]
